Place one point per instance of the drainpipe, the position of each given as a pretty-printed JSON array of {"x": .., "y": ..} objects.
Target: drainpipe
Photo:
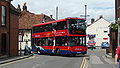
[
  {"x": 118, "y": 33},
  {"x": 9, "y": 29}
]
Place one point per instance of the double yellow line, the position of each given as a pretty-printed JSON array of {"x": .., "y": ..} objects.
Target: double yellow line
[{"x": 83, "y": 63}]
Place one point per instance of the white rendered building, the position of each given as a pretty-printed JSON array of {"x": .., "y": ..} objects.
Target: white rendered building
[{"x": 99, "y": 28}]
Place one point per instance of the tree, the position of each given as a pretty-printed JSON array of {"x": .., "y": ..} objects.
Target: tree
[{"x": 113, "y": 26}]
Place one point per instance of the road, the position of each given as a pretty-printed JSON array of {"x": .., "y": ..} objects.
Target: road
[{"x": 46, "y": 61}]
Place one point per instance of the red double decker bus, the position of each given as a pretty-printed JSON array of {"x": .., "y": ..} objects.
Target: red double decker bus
[{"x": 66, "y": 36}]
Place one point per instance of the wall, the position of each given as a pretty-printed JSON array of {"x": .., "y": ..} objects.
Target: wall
[
  {"x": 10, "y": 29},
  {"x": 14, "y": 33},
  {"x": 5, "y": 29}
]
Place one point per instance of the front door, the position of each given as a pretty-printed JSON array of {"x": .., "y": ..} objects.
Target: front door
[{"x": 3, "y": 44}]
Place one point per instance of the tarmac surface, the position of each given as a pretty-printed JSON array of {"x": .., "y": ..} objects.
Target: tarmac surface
[
  {"x": 96, "y": 58},
  {"x": 46, "y": 61}
]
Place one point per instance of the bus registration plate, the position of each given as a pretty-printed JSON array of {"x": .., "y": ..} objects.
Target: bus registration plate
[{"x": 78, "y": 52}]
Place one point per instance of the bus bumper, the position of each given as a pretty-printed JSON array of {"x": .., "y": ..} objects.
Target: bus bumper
[{"x": 82, "y": 52}]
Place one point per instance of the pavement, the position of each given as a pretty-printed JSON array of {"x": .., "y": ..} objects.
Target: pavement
[
  {"x": 99, "y": 60},
  {"x": 6, "y": 59}
]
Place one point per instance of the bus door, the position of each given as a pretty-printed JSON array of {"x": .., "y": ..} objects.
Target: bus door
[
  {"x": 61, "y": 44},
  {"x": 53, "y": 48}
]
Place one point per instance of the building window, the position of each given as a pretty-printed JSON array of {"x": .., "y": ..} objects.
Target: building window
[
  {"x": 3, "y": 15},
  {"x": 105, "y": 31},
  {"x": 118, "y": 4}
]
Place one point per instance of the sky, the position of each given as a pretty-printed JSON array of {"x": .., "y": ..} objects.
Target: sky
[{"x": 71, "y": 8}]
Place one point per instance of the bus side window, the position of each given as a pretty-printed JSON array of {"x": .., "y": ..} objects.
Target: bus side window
[
  {"x": 65, "y": 25},
  {"x": 49, "y": 27},
  {"x": 81, "y": 41},
  {"x": 50, "y": 42},
  {"x": 61, "y": 25},
  {"x": 72, "y": 41},
  {"x": 54, "y": 25}
]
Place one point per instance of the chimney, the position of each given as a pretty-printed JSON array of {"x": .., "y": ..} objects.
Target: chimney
[
  {"x": 100, "y": 17},
  {"x": 44, "y": 19},
  {"x": 19, "y": 9},
  {"x": 92, "y": 20},
  {"x": 9, "y": 0},
  {"x": 51, "y": 16},
  {"x": 24, "y": 7}
]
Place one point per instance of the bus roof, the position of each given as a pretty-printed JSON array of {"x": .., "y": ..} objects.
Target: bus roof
[{"x": 57, "y": 21}]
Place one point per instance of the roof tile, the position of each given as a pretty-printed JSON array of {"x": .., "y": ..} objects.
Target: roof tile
[{"x": 27, "y": 19}]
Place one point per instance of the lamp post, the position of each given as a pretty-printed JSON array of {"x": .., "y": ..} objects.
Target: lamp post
[
  {"x": 85, "y": 11},
  {"x": 85, "y": 15},
  {"x": 57, "y": 13}
]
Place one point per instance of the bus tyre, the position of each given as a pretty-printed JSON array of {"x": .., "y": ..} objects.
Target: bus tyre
[
  {"x": 73, "y": 55},
  {"x": 38, "y": 51},
  {"x": 57, "y": 51}
]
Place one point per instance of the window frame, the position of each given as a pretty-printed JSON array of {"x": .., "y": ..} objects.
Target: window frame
[
  {"x": 105, "y": 31},
  {"x": 3, "y": 15}
]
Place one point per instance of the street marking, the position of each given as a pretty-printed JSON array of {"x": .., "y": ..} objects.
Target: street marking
[
  {"x": 16, "y": 61},
  {"x": 94, "y": 58},
  {"x": 35, "y": 66},
  {"x": 83, "y": 62},
  {"x": 108, "y": 60}
]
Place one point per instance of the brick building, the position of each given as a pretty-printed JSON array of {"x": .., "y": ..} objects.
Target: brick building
[
  {"x": 8, "y": 28},
  {"x": 26, "y": 21}
]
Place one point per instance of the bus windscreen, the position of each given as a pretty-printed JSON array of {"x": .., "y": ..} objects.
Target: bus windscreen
[{"x": 77, "y": 26}]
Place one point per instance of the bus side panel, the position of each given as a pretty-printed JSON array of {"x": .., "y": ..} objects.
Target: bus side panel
[
  {"x": 72, "y": 50},
  {"x": 45, "y": 49},
  {"x": 63, "y": 49}
]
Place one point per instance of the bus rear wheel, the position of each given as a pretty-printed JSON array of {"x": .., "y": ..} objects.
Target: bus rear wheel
[
  {"x": 72, "y": 55},
  {"x": 57, "y": 51}
]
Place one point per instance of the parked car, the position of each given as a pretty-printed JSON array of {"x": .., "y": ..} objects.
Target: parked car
[
  {"x": 91, "y": 44},
  {"x": 105, "y": 45}
]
